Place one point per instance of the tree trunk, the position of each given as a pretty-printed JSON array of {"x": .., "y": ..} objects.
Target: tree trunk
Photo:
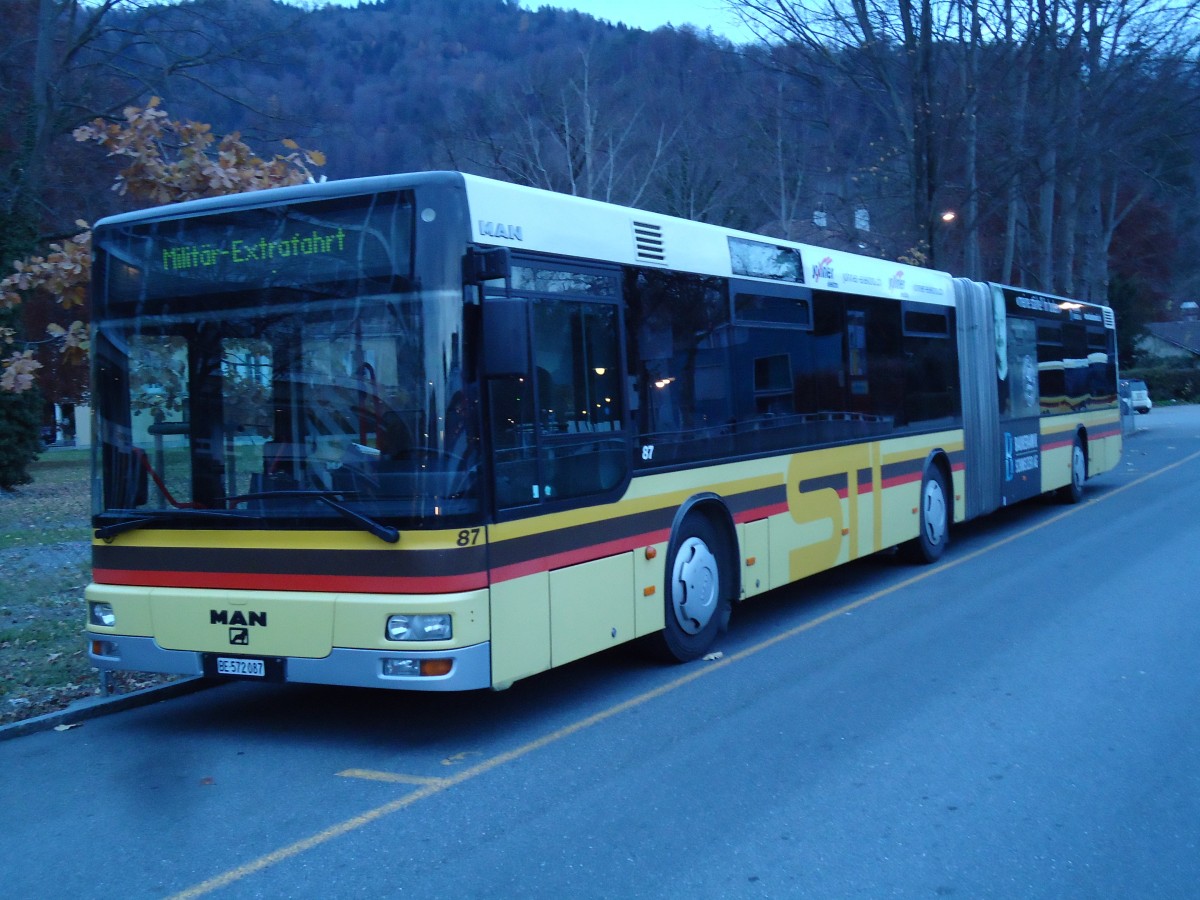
[
  {"x": 1015, "y": 198},
  {"x": 1047, "y": 195},
  {"x": 972, "y": 264}
]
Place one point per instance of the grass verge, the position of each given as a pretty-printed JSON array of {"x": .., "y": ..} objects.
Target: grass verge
[{"x": 45, "y": 558}]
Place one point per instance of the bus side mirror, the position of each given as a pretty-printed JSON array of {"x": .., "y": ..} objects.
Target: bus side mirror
[
  {"x": 505, "y": 337},
  {"x": 485, "y": 264}
]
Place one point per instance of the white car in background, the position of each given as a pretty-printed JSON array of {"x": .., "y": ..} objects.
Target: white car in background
[{"x": 1137, "y": 394}]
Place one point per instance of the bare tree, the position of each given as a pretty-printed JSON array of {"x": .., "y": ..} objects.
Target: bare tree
[
  {"x": 1080, "y": 103},
  {"x": 579, "y": 135},
  {"x": 67, "y": 61},
  {"x": 887, "y": 52}
]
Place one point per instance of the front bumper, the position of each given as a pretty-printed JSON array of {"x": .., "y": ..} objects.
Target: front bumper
[{"x": 471, "y": 669}]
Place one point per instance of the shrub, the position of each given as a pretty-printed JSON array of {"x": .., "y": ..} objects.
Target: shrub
[{"x": 20, "y": 418}]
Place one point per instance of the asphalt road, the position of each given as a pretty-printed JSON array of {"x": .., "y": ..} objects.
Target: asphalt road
[{"x": 1020, "y": 720}]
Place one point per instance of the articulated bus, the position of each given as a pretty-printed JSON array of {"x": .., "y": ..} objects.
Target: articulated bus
[{"x": 438, "y": 432}]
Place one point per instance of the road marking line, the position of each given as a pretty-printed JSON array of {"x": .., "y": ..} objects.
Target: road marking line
[
  {"x": 439, "y": 785},
  {"x": 392, "y": 777}
]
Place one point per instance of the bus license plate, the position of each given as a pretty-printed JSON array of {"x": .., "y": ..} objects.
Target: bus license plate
[{"x": 253, "y": 668}]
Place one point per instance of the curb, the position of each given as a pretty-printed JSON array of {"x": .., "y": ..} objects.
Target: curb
[{"x": 95, "y": 707}]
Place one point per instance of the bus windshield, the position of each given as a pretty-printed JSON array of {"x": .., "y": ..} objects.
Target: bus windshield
[{"x": 337, "y": 398}]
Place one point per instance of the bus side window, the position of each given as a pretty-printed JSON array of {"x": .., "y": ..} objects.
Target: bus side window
[
  {"x": 679, "y": 353},
  {"x": 512, "y": 427},
  {"x": 575, "y": 358},
  {"x": 575, "y": 352}
]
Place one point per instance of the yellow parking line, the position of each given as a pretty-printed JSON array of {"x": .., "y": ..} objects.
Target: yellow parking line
[
  {"x": 433, "y": 786},
  {"x": 392, "y": 777}
]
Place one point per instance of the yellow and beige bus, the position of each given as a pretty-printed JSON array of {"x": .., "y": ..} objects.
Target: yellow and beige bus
[{"x": 438, "y": 432}]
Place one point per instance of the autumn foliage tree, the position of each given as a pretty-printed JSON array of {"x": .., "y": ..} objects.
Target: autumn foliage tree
[{"x": 166, "y": 161}]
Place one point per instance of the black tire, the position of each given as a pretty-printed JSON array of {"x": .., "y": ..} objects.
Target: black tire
[
  {"x": 1073, "y": 492},
  {"x": 935, "y": 512},
  {"x": 699, "y": 591}
]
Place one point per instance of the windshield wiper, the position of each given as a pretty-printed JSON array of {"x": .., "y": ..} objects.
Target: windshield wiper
[
  {"x": 329, "y": 498},
  {"x": 381, "y": 531},
  {"x": 107, "y": 532}
]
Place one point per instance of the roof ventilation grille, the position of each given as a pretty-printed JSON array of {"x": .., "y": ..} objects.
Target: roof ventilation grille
[{"x": 649, "y": 241}]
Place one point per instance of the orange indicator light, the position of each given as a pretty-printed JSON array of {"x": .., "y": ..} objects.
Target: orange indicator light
[{"x": 434, "y": 667}]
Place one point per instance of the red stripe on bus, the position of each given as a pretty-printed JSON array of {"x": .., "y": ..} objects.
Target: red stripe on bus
[
  {"x": 577, "y": 556},
  {"x": 909, "y": 478},
  {"x": 590, "y": 553},
  {"x": 275, "y": 582},
  {"x": 762, "y": 512}
]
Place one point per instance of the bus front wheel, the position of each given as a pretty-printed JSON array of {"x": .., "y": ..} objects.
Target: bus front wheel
[
  {"x": 698, "y": 591},
  {"x": 934, "y": 512}
]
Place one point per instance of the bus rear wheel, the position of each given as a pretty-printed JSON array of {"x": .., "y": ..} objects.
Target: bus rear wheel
[
  {"x": 930, "y": 543},
  {"x": 698, "y": 591},
  {"x": 1073, "y": 492}
]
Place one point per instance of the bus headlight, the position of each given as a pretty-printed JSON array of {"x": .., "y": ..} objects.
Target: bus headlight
[
  {"x": 101, "y": 614},
  {"x": 427, "y": 627}
]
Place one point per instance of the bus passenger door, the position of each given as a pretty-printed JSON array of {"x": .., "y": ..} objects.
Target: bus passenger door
[{"x": 560, "y": 442}]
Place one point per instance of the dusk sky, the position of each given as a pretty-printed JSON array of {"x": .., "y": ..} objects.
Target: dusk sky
[{"x": 650, "y": 14}]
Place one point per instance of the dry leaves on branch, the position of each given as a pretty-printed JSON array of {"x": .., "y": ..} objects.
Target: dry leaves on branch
[{"x": 168, "y": 161}]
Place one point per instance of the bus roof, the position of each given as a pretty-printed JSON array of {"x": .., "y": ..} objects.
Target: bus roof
[{"x": 521, "y": 217}]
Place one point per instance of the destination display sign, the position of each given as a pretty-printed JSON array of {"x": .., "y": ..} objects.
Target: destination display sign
[
  {"x": 260, "y": 251},
  {"x": 348, "y": 239}
]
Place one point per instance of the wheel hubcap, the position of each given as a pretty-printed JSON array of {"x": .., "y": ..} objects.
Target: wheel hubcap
[
  {"x": 1078, "y": 467},
  {"x": 934, "y": 503},
  {"x": 694, "y": 586}
]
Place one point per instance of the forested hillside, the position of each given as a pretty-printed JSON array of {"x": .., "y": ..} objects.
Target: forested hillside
[{"x": 1063, "y": 139}]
